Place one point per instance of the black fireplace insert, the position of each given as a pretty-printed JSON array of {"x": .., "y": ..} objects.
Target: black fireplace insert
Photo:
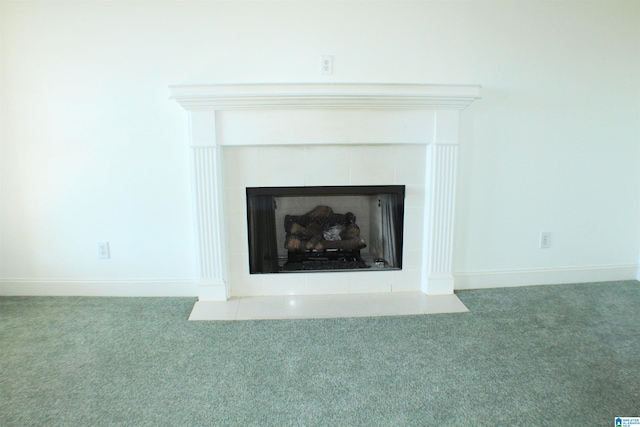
[{"x": 328, "y": 228}]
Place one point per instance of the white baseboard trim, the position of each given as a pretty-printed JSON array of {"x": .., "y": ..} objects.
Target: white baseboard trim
[
  {"x": 99, "y": 288},
  {"x": 549, "y": 276},
  {"x": 190, "y": 288}
]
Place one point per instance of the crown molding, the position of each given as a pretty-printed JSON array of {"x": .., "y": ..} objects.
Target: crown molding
[{"x": 322, "y": 95}]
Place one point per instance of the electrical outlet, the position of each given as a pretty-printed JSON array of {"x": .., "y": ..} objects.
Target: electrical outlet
[
  {"x": 326, "y": 65},
  {"x": 103, "y": 250},
  {"x": 545, "y": 239}
]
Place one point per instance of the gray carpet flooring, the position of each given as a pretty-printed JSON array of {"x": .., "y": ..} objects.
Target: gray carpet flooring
[{"x": 531, "y": 356}]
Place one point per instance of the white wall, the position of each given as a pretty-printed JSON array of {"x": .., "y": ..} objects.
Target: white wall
[
  {"x": 1, "y": 133},
  {"x": 93, "y": 150}
]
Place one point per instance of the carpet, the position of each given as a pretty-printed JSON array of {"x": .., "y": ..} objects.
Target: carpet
[{"x": 544, "y": 355}]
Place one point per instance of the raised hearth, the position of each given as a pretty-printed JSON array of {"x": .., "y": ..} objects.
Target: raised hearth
[{"x": 388, "y": 134}]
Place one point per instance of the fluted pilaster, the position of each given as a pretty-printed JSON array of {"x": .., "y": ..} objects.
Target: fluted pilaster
[{"x": 441, "y": 167}]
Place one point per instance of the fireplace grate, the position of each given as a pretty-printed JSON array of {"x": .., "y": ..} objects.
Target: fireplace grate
[{"x": 324, "y": 260}]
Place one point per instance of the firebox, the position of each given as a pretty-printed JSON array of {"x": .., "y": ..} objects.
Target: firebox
[{"x": 327, "y": 228}]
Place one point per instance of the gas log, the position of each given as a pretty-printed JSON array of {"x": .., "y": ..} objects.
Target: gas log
[{"x": 322, "y": 229}]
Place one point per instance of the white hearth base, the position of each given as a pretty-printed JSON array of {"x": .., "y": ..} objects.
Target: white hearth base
[
  {"x": 327, "y": 306},
  {"x": 247, "y": 135}
]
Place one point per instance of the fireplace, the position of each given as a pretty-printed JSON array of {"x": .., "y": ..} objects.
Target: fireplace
[
  {"x": 395, "y": 134},
  {"x": 325, "y": 228}
]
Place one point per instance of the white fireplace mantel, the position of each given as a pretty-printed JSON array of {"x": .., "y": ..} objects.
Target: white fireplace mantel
[
  {"x": 323, "y": 115},
  {"x": 317, "y": 95}
]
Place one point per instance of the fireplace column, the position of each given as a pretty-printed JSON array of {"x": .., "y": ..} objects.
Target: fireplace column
[
  {"x": 207, "y": 189},
  {"x": 439, "y": 210}
]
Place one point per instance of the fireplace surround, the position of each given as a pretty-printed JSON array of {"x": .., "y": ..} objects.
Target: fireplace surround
[{"x": 402, "y": 134}]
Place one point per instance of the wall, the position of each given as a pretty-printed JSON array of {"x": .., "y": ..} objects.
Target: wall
[
  {"x": 92, "y": 149},
  {"x": 1, "y": 133}
]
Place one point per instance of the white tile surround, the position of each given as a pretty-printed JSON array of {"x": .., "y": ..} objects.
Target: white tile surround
[
  {"x": 385, "y": 161},
  {"x": 323, "y": 134}
]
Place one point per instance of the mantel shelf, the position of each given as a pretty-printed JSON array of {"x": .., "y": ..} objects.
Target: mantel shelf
[{"x": 321, "y": 95}]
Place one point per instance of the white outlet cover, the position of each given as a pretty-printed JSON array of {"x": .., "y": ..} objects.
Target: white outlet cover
[
  {"x": 545, "y": 239},
  {"x": 326, "y": 65},
  {"x": 103, "y": 250}
]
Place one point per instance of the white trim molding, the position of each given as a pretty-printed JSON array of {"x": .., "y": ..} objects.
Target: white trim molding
[
  {"x": 321, "y": 95},
  {"x": 546, "y": 276},
  {"x": 99, "y": 287},
  {"x": 324, "y": 114}
]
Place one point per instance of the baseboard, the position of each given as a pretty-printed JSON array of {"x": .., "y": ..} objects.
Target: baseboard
[
  {"x": 509, "y": 278},
  {"x": 99, "y": 288},
  {"x": 190, "y": 288}
]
